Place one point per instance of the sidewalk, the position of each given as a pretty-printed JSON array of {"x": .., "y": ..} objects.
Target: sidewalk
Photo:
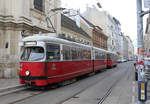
[{"x": 5, "y": 83}]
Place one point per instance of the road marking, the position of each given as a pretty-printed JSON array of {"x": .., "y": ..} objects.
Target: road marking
[
  {"x": 133, "y": 99},
  {"x": 133, "y": 89},
  {"x": 133, "y": 82}
]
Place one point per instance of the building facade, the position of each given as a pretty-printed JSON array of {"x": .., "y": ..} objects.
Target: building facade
[
  {"x": 71, "y": 31},
  {"x": 99, "y": 39},
  {"x": 77, "y": 28},
  {"x": 20, "y": 18},
  {"x": 104, "y": 20},
  {"x": 130, "y": 48},
  {"x": 125, "y": 47},
  {"x": 121, "y": 57},
  {"x": 118, "y": 36}
]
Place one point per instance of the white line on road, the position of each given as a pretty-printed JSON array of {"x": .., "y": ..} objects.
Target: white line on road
[
  {"x": 133, "y": 82},
  {"x": 133, "y": 99},
  {"x": 133, "y": 89}
]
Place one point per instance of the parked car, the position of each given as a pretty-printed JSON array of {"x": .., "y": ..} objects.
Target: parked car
[
  {"x": 119, "y": 61},
  {"x": 123, "y": 60}
]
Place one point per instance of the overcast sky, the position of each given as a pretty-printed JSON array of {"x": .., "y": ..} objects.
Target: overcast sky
[{"x": 123, "y": 10}]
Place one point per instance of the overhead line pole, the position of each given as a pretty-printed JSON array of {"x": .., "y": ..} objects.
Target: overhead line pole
[
  {"x": 140, "y": 45},
  {"x": 139, "y": 27},
  {"x": 142, "y": 82}
]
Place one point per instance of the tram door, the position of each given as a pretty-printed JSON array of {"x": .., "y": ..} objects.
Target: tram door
[{"x": 53, "y": 59}]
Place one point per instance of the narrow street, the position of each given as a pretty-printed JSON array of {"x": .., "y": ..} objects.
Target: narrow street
[
  {"x": 74, "y": 52},
  {"x": 112, "y": 86}
]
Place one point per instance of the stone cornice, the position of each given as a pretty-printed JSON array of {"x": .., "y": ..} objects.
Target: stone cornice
[
  {"x": 20, "y": 26},
  {"x": 7, "y": 18}
]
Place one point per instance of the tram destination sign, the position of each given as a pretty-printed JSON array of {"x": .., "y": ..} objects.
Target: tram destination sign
[{"x": 147, "y": 3}]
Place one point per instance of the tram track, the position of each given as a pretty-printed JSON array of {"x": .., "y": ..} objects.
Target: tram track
[
  {"x": 30, "y": 95},
  {"x": 12, "y": 89},
  {"x": 108, "y": 92},
  {"x": 75, "y": 95},
  {"x": 17, "y": 94}
]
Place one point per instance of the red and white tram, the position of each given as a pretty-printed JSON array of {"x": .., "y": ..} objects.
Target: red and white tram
[{"x": 46, "y": 60}]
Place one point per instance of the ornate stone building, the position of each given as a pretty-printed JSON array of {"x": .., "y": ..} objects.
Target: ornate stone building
[{"x": 24, "y": 17}]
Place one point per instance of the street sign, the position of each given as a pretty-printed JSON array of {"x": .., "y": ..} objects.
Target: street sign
[{"x": 147, "y": 3}]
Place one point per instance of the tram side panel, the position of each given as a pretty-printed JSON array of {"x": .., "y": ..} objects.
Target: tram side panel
[
  {"x": 75, "y": 62},
  {"x": 59, "y": 71}
]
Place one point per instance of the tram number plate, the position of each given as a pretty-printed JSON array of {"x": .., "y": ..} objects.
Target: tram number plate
[{"x": 28, "y": 82}]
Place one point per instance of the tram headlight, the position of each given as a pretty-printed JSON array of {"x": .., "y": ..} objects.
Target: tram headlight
[{"x": 27, "y": 73}]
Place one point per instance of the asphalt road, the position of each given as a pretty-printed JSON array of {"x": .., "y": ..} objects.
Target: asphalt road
[{"x": 89, "y": 90}]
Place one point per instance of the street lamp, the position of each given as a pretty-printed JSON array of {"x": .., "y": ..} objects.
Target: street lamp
[{"x": 98, "y": 4}]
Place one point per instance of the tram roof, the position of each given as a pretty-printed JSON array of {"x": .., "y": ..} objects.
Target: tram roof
[
  {"x": 99, "y": 49},
  {"x": 111, "y": 52},
  {"x": 51, "y": 38}
]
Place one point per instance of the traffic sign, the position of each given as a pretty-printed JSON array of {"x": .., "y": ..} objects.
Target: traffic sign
[{"x": 147, "y": 3}]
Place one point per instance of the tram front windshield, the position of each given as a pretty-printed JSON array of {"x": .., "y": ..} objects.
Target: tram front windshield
[{"x": 32, "y": 54}]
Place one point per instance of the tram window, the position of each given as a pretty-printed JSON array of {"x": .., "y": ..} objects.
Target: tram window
[
  {"x": 79, "y": 54},
  {"x": 98, "y": 55},
  {"x": 53, "y": 52},
  {"x": 103, "y": 55},
  {"x": 89, "y": 54},
  {"x": 33, "y": 54},
  {"x": 74, "y": 53},
  {"x": 108, "y": 56},
  {"x": 66, "y": 53},
  {"x": 84, "y": 55}
]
